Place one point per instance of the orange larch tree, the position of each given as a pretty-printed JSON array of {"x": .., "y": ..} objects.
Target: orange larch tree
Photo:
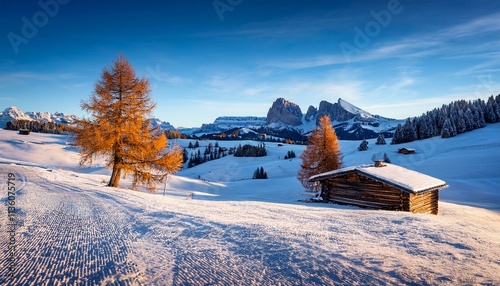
[
  {"x": 119, "y": 129},
  {"x": 322, "y": 153}
]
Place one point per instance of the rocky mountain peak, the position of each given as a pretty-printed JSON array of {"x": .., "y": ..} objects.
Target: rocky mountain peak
[
  {"x": 311, "y": 113},
  {"x": 14, "y": 113},
  {"x": 334, "y": 110},
  {"x": 285, "y": 112},
  {"x": 162, "y": 125}
]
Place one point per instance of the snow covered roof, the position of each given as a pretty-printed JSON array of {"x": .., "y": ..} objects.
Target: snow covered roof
[
  {"x": 397, "y": 176},
  {"x": 409, "y": 149}
]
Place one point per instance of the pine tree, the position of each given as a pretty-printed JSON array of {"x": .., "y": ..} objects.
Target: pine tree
[
  {"x": 322, "y": 153},
  {"x": 398, "y": 134},
  {"x": 496, "y": 107},
  {"x": 461, "y": 126},
  {"x": 263, "y": 174},
  {"x": 469, "y": 120},
  {"x": 259, "y": 173},
  {"x": 386, "y": 158},
  {"x": 290, "y": 154},
  {"x": 256, "y": 174},
  {"x": 490, "y": 114},
  {"x": 409, "y": 133},
  {"x": 184, "y": 155},
  {"x": 380, "y": 139},
  {"x": 363, "y": 146},
  {"x": 120, "y": 129},
  {"x": 405, "y": 133},
  {"x": 447, "y": 131}
]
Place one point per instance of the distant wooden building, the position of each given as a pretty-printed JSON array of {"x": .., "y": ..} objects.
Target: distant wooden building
[
  {"x": 406, "y": 151},
  {"x": 387, "y": 186},
  {"x": 24, "y": 132}
]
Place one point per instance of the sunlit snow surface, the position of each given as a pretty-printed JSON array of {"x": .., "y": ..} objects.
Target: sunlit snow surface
[{"x": 237, "y": 231}]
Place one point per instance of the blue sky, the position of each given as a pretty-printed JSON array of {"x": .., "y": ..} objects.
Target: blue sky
[{"x": 206, "y": 59}]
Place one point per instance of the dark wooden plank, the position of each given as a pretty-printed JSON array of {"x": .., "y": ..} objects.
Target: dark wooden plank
[{"x": 364, "y": 203}]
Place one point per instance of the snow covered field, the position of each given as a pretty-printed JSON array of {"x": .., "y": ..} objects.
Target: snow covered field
[{"x": 238, "y": 231}]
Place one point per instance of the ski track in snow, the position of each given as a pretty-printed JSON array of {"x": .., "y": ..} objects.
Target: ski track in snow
[{"x": 67, "y": 236}]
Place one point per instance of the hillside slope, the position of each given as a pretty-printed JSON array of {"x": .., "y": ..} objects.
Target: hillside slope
[{"x": 234, "y": 230}]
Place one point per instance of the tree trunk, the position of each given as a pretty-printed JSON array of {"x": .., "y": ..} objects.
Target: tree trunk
[
  {"x": 115, "y": 177},
  {"x": 117, "y": 170}
]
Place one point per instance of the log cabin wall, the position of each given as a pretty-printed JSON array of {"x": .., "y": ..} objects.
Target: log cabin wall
[
  {"x": 387, "y": 187},
  {"x": 425, "y": 203},
  {"x": 358, "y": 190},
  {"x": 361, "y": 191}
]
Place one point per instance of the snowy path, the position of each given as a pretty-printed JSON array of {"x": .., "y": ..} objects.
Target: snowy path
[
  {"x": 73, "y": 231},
  {"x": 68, "y": 236}
]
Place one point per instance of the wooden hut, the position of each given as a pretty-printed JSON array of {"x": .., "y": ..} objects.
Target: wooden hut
[
  {"x": 387, "y": 186},
  {"x": 406, "y": 151}
]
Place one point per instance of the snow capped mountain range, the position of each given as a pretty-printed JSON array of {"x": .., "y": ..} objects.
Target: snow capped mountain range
[
  {"x": 14, "y": 113},
  {"x": 224, "y": 123},
  {"x": 284, "y": 119},
  {"x": 349, "y": 121}
]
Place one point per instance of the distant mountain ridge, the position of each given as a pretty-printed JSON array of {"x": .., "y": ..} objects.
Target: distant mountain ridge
[
  {"x": 224, "y": 123},
  {"x": 163, "y": 125},
  {"x": 14, "y": 113},
  {"x": 350, "y": 122},
  {"x": 284, "y": 119}
]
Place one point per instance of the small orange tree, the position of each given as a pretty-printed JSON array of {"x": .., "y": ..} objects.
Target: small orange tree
[
  {"x": 120, "y": 129},
  {"x": 322, "y": 153}
]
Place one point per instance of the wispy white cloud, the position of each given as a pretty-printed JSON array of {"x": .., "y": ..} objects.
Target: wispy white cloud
[
  {"x": 484, "y": 67},
  {"x": 25, "y": 75},
  {"x": 290, "y": 27},
  {"x": 438, "y": 42},
  {"x": 485, "y": 24},
  {"x": 158, "y": 76},
  {"x": 308, "y": 62},
  {"x": 407, "y": 77},
  {"x": 224, "y": 83},
  {"x": 7, "y": 99},
  {"x": 9, "y": 79},
  {"x": 415, "y": 46},
  {"x": 322, "y": 90},
  {"x": 78, "y": 85},
  {"x": 229, "y": 107},
  {"x": 399, "y": 108},
  {"x": 403, "y": 83},
  {"x": 261, "y": 91}
]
